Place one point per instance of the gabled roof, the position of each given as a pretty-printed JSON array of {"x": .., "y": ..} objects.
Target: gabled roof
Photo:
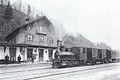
[{"x": 30, "y": 22}]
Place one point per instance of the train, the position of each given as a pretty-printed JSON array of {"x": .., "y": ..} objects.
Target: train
[{"x": 81, "y": 56}]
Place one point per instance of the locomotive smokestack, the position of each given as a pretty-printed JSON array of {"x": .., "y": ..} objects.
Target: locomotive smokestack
[{"x": 58, "y": 45}]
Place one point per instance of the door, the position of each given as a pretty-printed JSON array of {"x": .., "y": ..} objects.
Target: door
[
  {"x": 41, "y": 54},
  {"x": 12, "y": 51},
  {"x": 89, "y": 54},
  {"x": 99, "y": 54},
  {"x": 29, "y": 54},
  {"x": 108, "y": 54},
  {"x": 50, "y": 55}
]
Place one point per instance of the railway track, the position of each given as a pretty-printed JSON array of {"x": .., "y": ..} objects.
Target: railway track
[
  {"x": 66, "y": 72},
  {"x": 24, "y": 70},
  {"x": 112, "y": 77},
  {"x": 54, "y": 72}
]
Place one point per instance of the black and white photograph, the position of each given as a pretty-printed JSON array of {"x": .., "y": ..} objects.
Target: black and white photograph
[{"x": 59, "y": 39}]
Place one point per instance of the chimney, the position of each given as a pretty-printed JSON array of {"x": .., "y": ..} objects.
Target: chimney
[{"x": 27, "y": 20}]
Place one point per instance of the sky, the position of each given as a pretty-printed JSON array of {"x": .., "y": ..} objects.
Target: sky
[{"x": 97, "y": 20}]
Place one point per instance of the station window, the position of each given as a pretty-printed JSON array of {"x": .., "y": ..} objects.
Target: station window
[
  {"x": 41, "y": 39},
  {"x": 50, "y": 40},
  {"x": 29, "y": 37},
  {"x": 41, "y": 28},
  {"x": 29, "y": 27}
]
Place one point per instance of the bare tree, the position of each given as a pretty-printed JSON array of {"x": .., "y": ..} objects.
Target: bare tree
[
  {"x": 17, "y": 5},
  {"x": 8, "y": 12},
  {"x": 29, "y": 10}
]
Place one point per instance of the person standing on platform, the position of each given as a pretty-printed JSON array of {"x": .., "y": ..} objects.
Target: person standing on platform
[
  {"x": 19, "y": 59},
  {"x": 32, "y": 59},
  {"x": 6, "y": 59}
]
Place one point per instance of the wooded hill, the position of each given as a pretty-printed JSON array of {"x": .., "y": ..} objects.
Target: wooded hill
[{"x": 10, "y": 19}]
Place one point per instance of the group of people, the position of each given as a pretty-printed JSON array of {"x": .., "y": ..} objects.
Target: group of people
[{"x": 7, "y": 59}]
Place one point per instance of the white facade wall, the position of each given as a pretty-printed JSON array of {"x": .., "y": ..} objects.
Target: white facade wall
[
  {"x": 17, "y": 52},
  {"x": 2, "y": 54},
  {"x": 45, "y": 55},
  {"x": 37, "y": 54},
  {"x": 24, "y": 56},
  {"x": 7, "y": 51}
]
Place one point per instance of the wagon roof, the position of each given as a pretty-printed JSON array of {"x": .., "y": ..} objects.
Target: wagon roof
[{"x": 66, "y": 53}]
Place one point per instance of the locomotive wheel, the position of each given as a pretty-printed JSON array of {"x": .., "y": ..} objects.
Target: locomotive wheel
[
  {"x": 78, "y": 63},
  {"x": 69, "y": 64},
  {"x": 57, "y": 65}
]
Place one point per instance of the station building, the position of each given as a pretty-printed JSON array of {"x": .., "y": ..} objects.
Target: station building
[{"x": 34, "y": 38}]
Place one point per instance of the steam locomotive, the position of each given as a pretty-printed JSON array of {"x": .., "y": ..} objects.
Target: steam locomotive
[{"x": 81, "y": 56}]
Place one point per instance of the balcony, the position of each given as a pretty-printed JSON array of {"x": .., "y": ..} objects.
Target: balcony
[{"x": 41, "y": 32}]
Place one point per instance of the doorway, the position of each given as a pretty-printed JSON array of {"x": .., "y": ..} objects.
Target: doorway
[
  {"x": 89, "y": 54},
  {"x": 41, "y": 54},
  {"x": 50, "y": 55},
  {"x": 99, "y": 54},
  {"x": 12, "y": 51},
  {"x": 29, "y": 54}
]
